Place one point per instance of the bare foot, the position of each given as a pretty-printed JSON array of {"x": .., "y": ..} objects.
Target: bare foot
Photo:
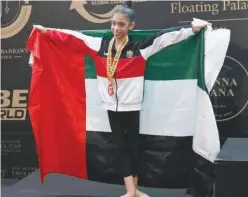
[
  {"x": 129, "y": 195},
  {"x": 140, "y": 194}
]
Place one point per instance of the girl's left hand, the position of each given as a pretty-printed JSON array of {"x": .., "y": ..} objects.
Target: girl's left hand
[{"x": 197, "y": 28}]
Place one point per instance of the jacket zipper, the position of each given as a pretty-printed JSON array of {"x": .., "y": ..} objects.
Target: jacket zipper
[{"x": 116, "y": 87}]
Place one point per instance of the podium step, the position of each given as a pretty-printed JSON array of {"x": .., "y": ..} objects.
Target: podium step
[{"x": 66, "y": 186}]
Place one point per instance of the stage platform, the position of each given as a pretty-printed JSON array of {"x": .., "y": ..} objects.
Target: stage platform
[
  {"x": 230, "y": 171},
  {"x": 65, "y": 186}
]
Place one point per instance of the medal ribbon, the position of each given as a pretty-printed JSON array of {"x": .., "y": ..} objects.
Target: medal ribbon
[{"x": 112, "y": 67}]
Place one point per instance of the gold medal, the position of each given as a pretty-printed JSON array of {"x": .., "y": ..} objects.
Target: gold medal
[
  {"x": 112, "y": 67},
  {"x": 110, "y": 90}
]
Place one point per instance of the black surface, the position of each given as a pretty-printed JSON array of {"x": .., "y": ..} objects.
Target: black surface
[
  {"x": 235, "y": 149},
  {"x": 66, "y": 186},
  {"x": 231, "y": 169}
]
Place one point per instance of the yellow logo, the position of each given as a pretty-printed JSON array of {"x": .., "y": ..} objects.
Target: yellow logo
[
  {"x": 81, "y": 8},
  {"x": 14, "y": 16},
  {"x": 14, "y": 104}
]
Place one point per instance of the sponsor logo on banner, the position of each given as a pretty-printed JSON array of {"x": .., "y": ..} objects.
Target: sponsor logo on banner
[
  {"x": 10, "y": 146},
  {"x": 14, "y": 104},
  {"x": 21, "y": 172},
  {"x": 215, "y": 7},
  {"x": 229, "y": 95},
  {"x": 85, "y": 9},
  {"x": 14, "y": 16},
  {"x": 16, "y": 172},
  {"x": 4, "y": 171},
  {"x": 13, "y": 53}
]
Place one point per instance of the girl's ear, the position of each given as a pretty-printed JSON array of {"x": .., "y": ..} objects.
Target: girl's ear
[{"x": 131, "y": 25}]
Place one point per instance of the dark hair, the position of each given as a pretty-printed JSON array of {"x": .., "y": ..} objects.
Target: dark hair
[{"x": 126, "y": 10}]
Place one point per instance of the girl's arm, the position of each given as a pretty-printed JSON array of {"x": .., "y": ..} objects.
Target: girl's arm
[
  {"x": 77, "y": 41},
  {"x": 165, "y": 38}
]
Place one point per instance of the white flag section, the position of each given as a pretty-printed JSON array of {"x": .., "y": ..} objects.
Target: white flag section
[{"x": 206, "y": 137}]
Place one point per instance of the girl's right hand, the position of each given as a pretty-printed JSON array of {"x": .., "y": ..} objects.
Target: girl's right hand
[{"x": 41, "y": 28}]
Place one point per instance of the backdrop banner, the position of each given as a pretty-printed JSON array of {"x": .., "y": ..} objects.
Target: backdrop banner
[{"x": 229, "y": 95}]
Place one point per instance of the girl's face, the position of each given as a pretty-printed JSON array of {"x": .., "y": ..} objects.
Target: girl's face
[{"x": 120, "y": 26}]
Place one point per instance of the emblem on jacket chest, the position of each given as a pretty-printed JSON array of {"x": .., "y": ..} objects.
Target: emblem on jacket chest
[{"x": 129, "y": 54}]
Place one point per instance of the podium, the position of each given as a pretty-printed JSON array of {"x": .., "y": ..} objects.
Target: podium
[
  {"x": 57, "y": 185},
  {"x": 231, "y": 169}
]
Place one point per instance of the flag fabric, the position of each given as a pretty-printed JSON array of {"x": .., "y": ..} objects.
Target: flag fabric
[
  {"x": 57, "y": 107},
  {"x": 72, "y": 131}
]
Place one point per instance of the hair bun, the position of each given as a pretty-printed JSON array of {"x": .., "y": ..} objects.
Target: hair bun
[{"x": 128, "y": 4}]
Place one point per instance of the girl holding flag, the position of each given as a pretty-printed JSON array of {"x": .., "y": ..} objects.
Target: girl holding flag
[{"x": 120, "y": 65}]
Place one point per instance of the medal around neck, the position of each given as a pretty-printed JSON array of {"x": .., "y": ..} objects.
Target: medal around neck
[{"x": 111, "y": 66}]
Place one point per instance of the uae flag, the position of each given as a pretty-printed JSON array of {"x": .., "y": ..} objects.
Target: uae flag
[{"x": 72, "y": 131}]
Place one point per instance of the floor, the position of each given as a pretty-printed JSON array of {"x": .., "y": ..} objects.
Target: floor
[{"x": 65, "y": 186}]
